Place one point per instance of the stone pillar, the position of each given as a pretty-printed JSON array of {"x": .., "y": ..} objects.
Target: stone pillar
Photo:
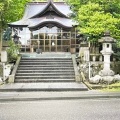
[
  {"x": 106, "y": 61},
  {"x": 106, "y": 68},
  {"x": 86, "y": 54}
]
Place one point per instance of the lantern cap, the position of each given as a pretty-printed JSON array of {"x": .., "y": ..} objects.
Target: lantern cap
[{"x": 107, "y": 38}]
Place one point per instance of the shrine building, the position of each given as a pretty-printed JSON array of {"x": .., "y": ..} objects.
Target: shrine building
[{"x": 48, "y": 26}]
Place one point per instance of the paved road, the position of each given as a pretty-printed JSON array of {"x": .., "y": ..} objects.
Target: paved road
[{"x": 102, "y": 109}]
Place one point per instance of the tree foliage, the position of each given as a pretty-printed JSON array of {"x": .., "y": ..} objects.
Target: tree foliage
[
  {"x": 96, "y": 16},
  {"x": 12, "y": 51},
  {"x": 11, "y": 10},
  {"x": 93, "y": 21}
]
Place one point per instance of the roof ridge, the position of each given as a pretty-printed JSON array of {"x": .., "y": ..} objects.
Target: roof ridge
[{"x": 48, "y": 4}]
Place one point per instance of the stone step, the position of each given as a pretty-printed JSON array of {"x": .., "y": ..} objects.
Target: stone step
[
  {"x": 47, "y": 55},
  {"x": 39, "y": 58},
  {"x": 51, "y": 66},
  {"x": 46, "y": 63},
  {"x": 46, "y": 67},
  {"x": 45, "y": 60},
  {"x": 45, "y": 71},
  {"x": 57, "y": 61},
  {"x": 28, "y": 87},
  {"x": 45, "y": 74},
  {"x": 52, "y": 95},
  {"x": 36, "y": 67},
  {"x": 45, "y": 77},
  {"x": 43, "y": 80}
]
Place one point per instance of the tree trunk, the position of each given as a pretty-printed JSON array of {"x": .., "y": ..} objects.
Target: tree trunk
[{"x": 0, "y": 40}]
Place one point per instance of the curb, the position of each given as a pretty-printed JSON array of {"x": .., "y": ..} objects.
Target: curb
[{"x": 60, "y": 98}]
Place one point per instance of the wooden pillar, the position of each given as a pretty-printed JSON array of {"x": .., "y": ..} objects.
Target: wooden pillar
[
  {"x": 38, "y": 38},
  {"x": 31, "y": 36},
  {"x": 44, "y": 41},
  {"x": 70, "y": 40},
  {"x": 25, "y": 39},
  {"x": 56, "y": 42},
  {"x": 61, "y": 40},
  {"x": 75, "y": 39},
  {"x": 49, "y": 43}
]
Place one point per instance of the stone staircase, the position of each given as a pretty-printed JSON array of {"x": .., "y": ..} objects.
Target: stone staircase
[
  {"x": 45, "y": 73},
  {"x": 45, "y": 70}
]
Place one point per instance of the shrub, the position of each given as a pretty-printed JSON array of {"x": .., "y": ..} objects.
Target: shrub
[{"x": 12, "y": 51}]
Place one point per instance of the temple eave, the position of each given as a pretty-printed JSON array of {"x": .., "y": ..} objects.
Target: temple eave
[
  {"x": 45, "y": 23},
  {"x": 13, "y": 25}
]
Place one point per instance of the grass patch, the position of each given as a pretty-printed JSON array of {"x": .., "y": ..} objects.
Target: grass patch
[
  {"x": 112, "y": 88},
  {"x": 115, "y": 87}
]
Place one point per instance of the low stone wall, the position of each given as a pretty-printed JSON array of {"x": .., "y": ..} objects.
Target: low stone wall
[
  {"x": 77, "y": 75},
  {"x": 96, "y": 66},
  {"x": 115, "y": 66},
  {"x": 12, "y": 76},
  {"x": 1, "y": 73},
  {"x": 1, "y": 70}
]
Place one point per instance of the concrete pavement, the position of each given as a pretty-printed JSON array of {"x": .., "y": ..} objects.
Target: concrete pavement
[{"x": 89, "y": 109}]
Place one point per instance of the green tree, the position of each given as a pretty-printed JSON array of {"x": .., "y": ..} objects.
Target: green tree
[
  {"x": 12, "y": 51},
  {"x": 111, "y": 6},
  {"x": 74, "y": 6},
  {"x": 93, "y": 21},
  {"x": 4, "y": 5},
  {"x": 96, "y": 16},
  {"x": 10, "y": 10}
]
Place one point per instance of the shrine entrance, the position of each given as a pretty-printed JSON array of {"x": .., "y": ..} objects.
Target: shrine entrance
[{"x": 51, "y": 40}]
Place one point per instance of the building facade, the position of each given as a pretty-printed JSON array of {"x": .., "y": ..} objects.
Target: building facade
[{"x": 46, "y": 25}]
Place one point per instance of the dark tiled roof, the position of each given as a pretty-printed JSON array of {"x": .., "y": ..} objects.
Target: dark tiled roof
[
  {"x": 33, "y": 9},
  {"x": 65, "y": 22}
]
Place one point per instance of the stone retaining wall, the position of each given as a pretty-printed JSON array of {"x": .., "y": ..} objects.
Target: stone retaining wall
[
  {"x": 115, "y": 66},
  {"x": 95, "y": 67}
]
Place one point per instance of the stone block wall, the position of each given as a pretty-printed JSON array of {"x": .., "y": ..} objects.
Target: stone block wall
[
  {"x": 115, "y": 66},
  {"x": 95, "y": 67}
]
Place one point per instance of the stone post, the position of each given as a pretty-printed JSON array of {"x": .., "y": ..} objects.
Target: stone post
[{"x": 3, "y": 60}]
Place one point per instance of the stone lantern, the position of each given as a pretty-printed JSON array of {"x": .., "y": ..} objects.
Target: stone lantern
[{"x": 106, "y": 52}]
